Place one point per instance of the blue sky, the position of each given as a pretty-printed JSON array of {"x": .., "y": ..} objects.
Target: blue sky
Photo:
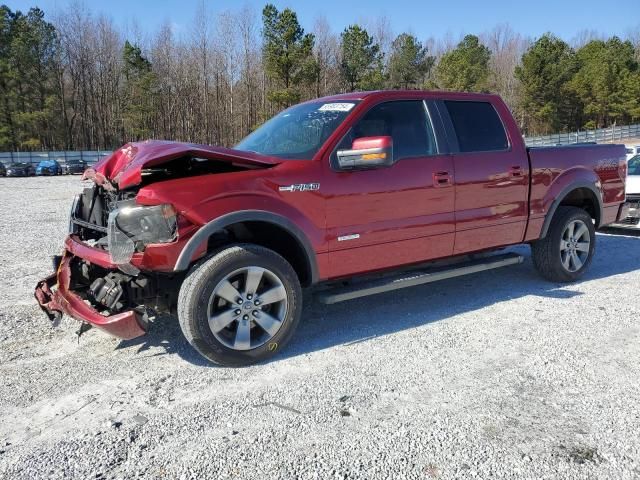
[{"x": 424, "y": 18}]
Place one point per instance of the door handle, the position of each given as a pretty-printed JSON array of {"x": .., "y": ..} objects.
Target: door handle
[
  {"x": 516, "y": 171},
  {"x": 441, "y": 179}
]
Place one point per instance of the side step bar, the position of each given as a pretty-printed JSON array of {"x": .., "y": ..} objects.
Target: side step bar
[{"x": 416, "y": 277}]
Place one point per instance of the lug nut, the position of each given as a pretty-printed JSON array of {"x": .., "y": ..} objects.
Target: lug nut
[
  {"x": 239, "y": 301},
  {"x": 246, "y": 317},
  {"x": 249, "y": 297},
  {"x": 256, "y": 303},
  {"x": 237, "y": 312},
  {"x": 255, "y": 313}
]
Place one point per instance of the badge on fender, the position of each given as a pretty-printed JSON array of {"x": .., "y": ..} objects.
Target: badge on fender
[{"x": 300, "y": 187}]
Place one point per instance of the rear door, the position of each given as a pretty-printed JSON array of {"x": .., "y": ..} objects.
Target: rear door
[
  {"x": 492, "y": 178},
  {"x": 402, "y": 214}
]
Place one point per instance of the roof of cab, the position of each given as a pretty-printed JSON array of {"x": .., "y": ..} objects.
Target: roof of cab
[{"x": 401, "y": 93}]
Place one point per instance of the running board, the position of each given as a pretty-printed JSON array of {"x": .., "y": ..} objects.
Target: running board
[{"x": 417, "y": 277}]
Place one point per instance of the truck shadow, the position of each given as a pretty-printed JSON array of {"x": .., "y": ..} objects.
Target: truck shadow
[{"x": 355, "y": 321}]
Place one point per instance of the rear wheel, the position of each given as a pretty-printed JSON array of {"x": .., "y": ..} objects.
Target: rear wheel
[
  {"x": 240, "y": 306},
  {"x": 566, "y": 252}
]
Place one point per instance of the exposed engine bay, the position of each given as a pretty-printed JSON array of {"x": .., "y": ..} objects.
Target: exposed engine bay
[
  {"x": 111, "y": 292},
  {"x": 191, "y": 167}
]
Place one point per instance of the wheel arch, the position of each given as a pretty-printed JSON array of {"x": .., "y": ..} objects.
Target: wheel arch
[
  {"x": 582, "y": 194},
  {"x": 293, "y": 244}
]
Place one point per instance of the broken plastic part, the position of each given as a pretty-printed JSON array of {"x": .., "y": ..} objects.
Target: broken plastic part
[
  {"x": 121, "y": 247},
  {"x": 130, "y": 223}
]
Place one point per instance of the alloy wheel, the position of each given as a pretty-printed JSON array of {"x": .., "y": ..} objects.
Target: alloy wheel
[
  {"x": 575, "y": 245},
  {"x": 247, "y": 308}
]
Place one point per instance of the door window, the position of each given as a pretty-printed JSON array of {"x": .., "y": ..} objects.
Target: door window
[
  {"x": 478, "y": 126},
  {"x": 406, "y": 122}
]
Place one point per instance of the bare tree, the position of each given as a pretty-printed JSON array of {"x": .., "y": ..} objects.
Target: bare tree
[
  {"x": 201, "y": 43},
  {"x": 209, "y": 85},
  {"x": 326, "y": 51},
  {"x": 251, "y": 67},
  {"x": 585, "y": 36},
  {"x": 507, "y": 48},
  {"x": 633, "y": 35}
]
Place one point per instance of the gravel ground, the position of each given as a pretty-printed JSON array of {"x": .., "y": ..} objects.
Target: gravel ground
[{"x": 499, "y": 374}]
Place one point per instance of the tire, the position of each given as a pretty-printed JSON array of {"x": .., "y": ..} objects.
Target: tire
[
  {"x": 553, "y": 255},
  {"x": 202, "y": 296}
]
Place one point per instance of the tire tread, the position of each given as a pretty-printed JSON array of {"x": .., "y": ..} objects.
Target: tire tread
[
  {"x": 544, "y": 251},
  {"x": 199, "y": 276}
]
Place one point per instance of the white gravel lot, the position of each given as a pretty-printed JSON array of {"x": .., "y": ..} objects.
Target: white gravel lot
[{"x": 496, "y": 375}]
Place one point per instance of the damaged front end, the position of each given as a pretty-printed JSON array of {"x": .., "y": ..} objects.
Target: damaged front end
[
  {"x": 95, "y": 297},
  {"x": 120, "y": 256},
  {"x": 101, "y": 279}
]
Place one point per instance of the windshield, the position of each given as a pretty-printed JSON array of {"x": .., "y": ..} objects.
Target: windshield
[
  {"x": 633, "y": 167},
  {"x": 297, "y": 132}
]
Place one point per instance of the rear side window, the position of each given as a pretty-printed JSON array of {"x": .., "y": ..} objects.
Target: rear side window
[
  {"x": 405, "y": 121},
  {"x": 478, "y": 126}
]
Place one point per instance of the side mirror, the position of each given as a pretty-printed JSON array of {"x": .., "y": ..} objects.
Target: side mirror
[{"x": 367, "y": 152}]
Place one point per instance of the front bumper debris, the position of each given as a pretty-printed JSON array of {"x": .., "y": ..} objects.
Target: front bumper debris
[{"x": 56, "y": 298}]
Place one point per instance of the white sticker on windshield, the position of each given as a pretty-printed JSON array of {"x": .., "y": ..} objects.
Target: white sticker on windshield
[{"x": 336, "y": 107}]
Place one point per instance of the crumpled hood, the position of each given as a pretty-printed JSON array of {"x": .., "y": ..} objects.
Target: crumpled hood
[{"x": 124, "y": 166}]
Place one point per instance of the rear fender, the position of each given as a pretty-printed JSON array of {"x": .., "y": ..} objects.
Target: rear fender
[{"x": 563, "y": 186}]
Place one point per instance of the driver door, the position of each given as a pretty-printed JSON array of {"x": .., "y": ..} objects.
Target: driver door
[{"x": 390, "y": 216}]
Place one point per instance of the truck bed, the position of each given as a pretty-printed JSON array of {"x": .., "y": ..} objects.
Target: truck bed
[{"x": 554, "y": 169}]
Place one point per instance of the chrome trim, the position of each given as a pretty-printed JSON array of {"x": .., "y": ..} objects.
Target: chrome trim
[{"x": 353, "y": 236}]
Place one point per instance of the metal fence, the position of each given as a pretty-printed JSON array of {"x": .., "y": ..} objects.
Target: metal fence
[
  {"x": 601, "y": 135},
  {"x": 34, "y": 158}
]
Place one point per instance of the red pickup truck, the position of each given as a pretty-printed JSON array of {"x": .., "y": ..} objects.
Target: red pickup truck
[{"x": 332, "y": 189}]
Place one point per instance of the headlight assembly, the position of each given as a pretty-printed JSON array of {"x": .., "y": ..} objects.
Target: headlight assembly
[{"x": 130, "y": 227}]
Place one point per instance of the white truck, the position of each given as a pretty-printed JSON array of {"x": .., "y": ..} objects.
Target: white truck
[
  {"x": 632, "y": 151},
  {"x": 632, "y": 218}
]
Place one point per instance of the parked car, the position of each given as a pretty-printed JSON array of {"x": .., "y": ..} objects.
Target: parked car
[
  {"x": 631, "y": 218},
  {"x": 328, "y": 191},
  {"x": 48, "y": 167},
  {"x": 632, "y": 151},
  {"x": 70, "y": 167},
  {"x": 20, "y": 169},
  {"x": 3, "y": 170}
]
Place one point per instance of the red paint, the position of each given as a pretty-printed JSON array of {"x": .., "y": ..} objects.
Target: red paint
[
  {"x": 124, "y": 325},
  {"x": 371, "y": 142},
  {"x": 419, "y": 209},
  {"x": 124, "y": 166}
]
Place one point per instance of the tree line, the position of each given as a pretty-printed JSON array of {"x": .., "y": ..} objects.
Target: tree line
[{"x": 80, "y": 82}]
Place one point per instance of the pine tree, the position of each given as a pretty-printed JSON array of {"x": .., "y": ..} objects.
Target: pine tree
[
  {"x": 408, "y": 62},
  {"x": 465, "y": 68},
  {"x": 546, "y": 70},
  {"x": 361, "y": 65},
  {"x": 138, "y": 89},
  {"x": 287, "y": 54}
]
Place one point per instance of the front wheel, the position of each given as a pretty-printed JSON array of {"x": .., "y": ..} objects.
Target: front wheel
[
  {"x": 240, "y": 305},
  {"x": 565, "y": 253}
]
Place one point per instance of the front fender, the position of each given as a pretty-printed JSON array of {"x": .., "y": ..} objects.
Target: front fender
[{"x": 194, "y": 245}]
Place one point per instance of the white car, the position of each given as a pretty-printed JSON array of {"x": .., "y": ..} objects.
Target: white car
[
  {"x": 632, "y": 151},
  {"x": 632, "y": 219}
]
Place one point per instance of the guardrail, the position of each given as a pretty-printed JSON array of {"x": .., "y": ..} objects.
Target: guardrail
[
  {"x": 601, "y": 135},
  {"x": 89, "y": 156}
]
